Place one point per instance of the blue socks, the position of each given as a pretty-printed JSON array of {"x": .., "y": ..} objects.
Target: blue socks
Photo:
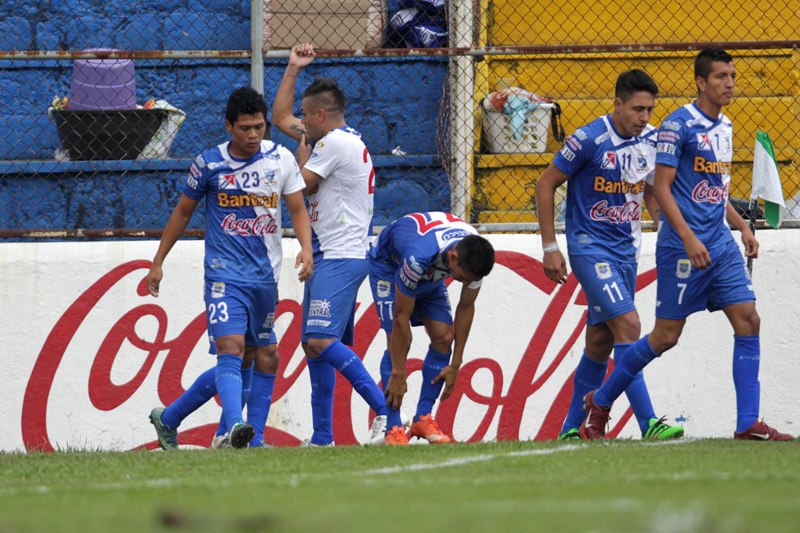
[
  {"x": 323, "y": 381},
  {"x": 637, "y": 393},
  {"x": 746, "y": 360},
  {"x": 347, "y": 362},
  {"x": 633, "y": 361},
  {"x": 392, "y": 415},
  {"x": 258, "y": 404},
  {"x": 229, "y": 387},
  {"x": 433, "y": 364},
  {"x": 247, "y": 379},
  {"x": 203, "y": 389},
  {"x": 386, "y": 369},
  {"x": 588, "y": 376}
]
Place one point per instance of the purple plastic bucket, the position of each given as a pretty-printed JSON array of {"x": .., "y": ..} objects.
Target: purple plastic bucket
[{"x": 103, "y": 84}]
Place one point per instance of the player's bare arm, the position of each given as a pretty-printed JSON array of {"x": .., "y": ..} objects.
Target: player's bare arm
[
  {"x": 651, "y": 204},
  {"x": 175, "y": 227},
  {"x": 737, "y": 222},
  {"x": 399, "y": 344},
  {"x": 282, "y": 115},
  {"x": 303, "y": 155},
  {"x": 462, "y": 323},
  {"x": 555, "y": 266},
  {"x": 696, "y": 250},
  {"x": 302, "y": 230}
]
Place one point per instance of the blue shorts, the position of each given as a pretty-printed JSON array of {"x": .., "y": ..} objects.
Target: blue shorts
[
  {"x": 683, "y": 290},
  {"x": 432, "y": 301},
  {"x": 609, "y": 286},
  {"x": 240, "y": 309},
  {"x": 329, "y": 299}
]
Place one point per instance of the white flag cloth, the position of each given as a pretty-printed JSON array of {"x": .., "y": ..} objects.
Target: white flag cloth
[{"x": 767, "y": 181}]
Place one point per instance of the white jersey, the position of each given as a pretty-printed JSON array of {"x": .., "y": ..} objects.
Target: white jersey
[{"x": 340, "y": 206}]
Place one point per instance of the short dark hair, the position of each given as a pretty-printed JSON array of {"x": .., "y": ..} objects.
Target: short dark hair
[
  {"x": 245, "y": 101},
  {"x": 475, "y": 255},
  {"x": 707, "y": 56},
  {"x": 327, "y": 94},
  {"x": 633, "y": 81}
]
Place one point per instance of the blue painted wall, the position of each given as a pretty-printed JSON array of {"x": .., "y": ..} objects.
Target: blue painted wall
[{"x": 393, "y": 102}]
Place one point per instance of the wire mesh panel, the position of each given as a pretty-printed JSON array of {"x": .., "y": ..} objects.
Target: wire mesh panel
[{"x": 462, "y": 104}]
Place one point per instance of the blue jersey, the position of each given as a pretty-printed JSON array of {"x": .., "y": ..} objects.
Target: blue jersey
[
  {"x": 243, "y": 210},
  {"x": 607, "y": 175},
  {"x": 700, "y": 148},
  {"x": 416, "y": 244}
]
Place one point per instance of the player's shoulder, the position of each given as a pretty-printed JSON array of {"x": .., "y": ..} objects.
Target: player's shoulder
[{"x": 273, "y": 150}]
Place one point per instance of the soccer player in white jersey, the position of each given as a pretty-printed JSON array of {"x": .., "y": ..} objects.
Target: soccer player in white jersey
[
  {"x": 408, "y": 265},
  {"x": 699, "y": 263},
  {"x": 242, "y": 182},
  {"x": 606, "y": 165},
  {"x": 340, "y": 185}
]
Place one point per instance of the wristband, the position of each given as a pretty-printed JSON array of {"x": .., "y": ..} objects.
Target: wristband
[{"x": 550, "y": 247}]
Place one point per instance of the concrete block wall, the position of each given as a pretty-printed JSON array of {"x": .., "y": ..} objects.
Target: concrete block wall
[{"x": 393, "y": 102}]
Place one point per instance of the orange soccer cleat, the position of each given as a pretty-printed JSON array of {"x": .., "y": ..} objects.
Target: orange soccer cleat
[
  {"x": 396, "y": 437},
  {"x": 427, "y": 428}
]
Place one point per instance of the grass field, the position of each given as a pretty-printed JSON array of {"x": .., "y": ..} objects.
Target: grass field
[{"x": 684, "y": 486}]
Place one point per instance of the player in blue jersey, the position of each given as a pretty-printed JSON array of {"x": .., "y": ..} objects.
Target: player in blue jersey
[
  {"x": 242, "y": 182},
  {"x": 606, "y": 165},
  {"x": 699, "y": 263},
  {"x": 340, "y": 181},
  {"x": 408, "y": 264}
]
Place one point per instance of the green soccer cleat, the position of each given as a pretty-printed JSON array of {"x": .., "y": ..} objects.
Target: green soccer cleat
[
  {"x": 659, "y": 430},
  {"x": 571, "y": 434},
  {"x": 167, "y": 437}
]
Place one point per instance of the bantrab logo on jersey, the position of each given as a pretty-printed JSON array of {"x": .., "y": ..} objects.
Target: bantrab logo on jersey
[{"x": 609, "y": 161}]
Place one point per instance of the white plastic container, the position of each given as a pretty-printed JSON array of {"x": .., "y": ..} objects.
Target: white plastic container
[{"x": 500, "y": 136}]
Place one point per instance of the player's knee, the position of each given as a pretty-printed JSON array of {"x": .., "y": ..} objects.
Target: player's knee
[
  {"x": 315, "y": 346},
  {"x": 442, "y": 341},
  {"x": 749, "y": 324},
  {"x": 267, "y": 359}
]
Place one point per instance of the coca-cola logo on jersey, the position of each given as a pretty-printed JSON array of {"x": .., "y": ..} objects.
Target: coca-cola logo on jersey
[
  {"x": 498, "y": 393},
  {"x": 712, "y": 194},
  {"x": 261, "y": 225},
  {"x": 616, "y": 214}
]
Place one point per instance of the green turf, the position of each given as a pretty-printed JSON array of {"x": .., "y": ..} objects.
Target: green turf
[{"x": 687, "y": 486}]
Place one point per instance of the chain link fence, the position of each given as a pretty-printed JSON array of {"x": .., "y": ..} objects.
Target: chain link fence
[{"x": 105, "y": 106}]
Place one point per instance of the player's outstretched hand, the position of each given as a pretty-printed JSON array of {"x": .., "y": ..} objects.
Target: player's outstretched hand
[
  {"x": 302, "y": 55},
  {"x": 697, "y": 252},
  {"x": 750, "y": 244},
  {"x": 154, "y": 280},
  {"x": 305, "y": 262},
  {"x": 395, "y": 390},
  {"x": 449, "y": 374},
  {"x": 555, "y": 267}
]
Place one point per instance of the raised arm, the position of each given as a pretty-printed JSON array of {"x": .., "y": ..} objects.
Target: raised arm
[{"x": 282, "y": 108}]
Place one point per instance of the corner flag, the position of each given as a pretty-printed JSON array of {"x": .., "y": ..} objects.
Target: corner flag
[{"x": 767, "y": 181}]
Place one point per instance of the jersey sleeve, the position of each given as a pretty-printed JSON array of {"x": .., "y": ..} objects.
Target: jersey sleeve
[
  {"x": 293, "y": 179},
  {"x": 671, "y": 135},
  {"x": 326, "y": 156},
  {"x": 409, "y": 275},
  {"x": 197, "y": 180},
  {"x": 575, "y": 152}
]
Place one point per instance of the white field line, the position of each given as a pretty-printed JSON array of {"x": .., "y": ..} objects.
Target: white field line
[{"x": 466, "y": 460}]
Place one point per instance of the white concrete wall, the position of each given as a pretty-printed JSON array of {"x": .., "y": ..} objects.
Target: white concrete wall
[{"x": 86, "y": 353}]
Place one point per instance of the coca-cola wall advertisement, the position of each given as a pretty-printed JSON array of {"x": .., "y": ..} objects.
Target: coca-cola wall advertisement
[{"x": 88, "y": 353}]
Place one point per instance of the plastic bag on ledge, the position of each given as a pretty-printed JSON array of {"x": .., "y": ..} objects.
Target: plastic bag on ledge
[{"x": 158, "y": 147}]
